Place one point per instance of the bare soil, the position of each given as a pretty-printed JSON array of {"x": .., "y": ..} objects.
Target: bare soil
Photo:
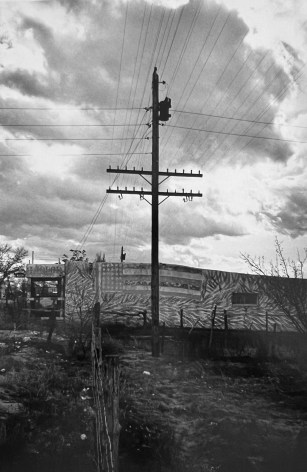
[
  {"x": 239, "y": 415},
  {"x": 206, "y": 415}
]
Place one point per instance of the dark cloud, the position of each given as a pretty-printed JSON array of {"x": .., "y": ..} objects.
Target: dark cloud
[
  {"x": 30, "y": 84},
  {"x": 182, "y": 228},
  {"x": 291, "y": 219}
]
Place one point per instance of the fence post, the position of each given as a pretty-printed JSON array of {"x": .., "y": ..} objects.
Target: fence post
[
  {"x": 111, "y": 399},
  {"x": 181, "y": 317},
  {"x": 274, "y": 340},
  {"x": 212, "y": 326},
  {"x": 163, "y": 338},
  {"x": 266, "y": 321},
  {"x": 106, "y": 400},
  {"x": 226, "y": 328}
]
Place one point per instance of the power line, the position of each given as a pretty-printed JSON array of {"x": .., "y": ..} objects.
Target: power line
[
  {"x": 238, "y": 134},
  {"x": 69, "y": 125},
  {"x": 103, "y": 201},
  {"x": 261, "y": 114},
  {"x": 239, "y": 119},
  {"x": 79, "y": 154},
  {"x": 71, "y": 139},
  {"x": 207, "y": 35},
  {"x": 72, "y": 108}
]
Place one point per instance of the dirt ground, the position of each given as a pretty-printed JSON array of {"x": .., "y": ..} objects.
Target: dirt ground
[{"x": 176, "y": 415}]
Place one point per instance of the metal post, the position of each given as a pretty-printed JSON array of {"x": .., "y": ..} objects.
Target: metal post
[{"x": 155, "y": 217}]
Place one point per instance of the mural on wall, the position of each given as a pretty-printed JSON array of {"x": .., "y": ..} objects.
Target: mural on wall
[
  {"x": 79, "y": 288},
  {"x": 124, "y": 293}
]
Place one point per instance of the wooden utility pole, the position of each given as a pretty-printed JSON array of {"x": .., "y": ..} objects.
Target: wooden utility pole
[
  {"x": 159, "y": 113},
  {"x": 155, "y": 217}
]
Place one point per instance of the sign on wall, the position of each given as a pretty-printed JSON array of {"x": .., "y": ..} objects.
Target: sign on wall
[{"x": 45, "y": 270}]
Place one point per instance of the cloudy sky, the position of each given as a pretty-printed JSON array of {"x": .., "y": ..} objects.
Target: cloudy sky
[{"x": 75, "y": 93}]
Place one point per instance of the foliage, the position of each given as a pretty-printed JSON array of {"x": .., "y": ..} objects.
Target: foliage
[
  {"x": 10, "y": 260},
  {"x": 77, "y": 255},
  {"x": 283, "y": 282}
]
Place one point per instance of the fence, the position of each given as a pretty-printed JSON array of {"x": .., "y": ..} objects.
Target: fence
[{"x": 105, "y": 371}]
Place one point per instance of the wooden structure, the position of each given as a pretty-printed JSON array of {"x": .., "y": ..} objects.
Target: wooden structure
[{"x": 46, "y": 290}]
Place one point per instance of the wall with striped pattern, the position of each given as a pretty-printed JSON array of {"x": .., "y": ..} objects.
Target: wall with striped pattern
[{"x": 124, "y": 292}]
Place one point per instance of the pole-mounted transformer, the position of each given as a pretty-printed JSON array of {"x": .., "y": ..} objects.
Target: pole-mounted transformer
[{"x": 164, "y": 107}]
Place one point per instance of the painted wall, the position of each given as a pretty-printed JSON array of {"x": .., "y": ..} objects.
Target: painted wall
[{"x": 124, "y": 291}]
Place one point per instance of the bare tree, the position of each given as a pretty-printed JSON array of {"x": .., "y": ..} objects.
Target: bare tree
[
  {"x": 284, "y": 283},
  {"x": 78, "y": 319}
]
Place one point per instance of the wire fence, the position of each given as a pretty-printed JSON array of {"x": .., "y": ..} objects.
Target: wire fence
[{"x": 106, "y": 404}]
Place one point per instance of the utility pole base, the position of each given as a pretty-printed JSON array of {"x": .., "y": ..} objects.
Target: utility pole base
[{"x": 155, "y": 340}]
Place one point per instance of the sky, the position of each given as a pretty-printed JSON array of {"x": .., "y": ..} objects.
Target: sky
[{"x": 75, "y": 98}]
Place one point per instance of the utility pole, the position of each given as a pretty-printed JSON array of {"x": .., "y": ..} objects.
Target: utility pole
[
  {"x": 160, "y": 112},
  {"x": 155, "y": 217}
]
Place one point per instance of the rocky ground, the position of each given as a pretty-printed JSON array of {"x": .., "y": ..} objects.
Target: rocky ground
[{"x": 176, "y": 415}]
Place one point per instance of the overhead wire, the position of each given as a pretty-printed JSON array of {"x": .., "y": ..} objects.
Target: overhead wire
[
  {"x": 237, "y": 109},
  {"x": 50, "y": 125},
  {"x": 76, "y": 155},
  {"x": 237, "y": 134},
  {"x": 187, "y": 82},
  {"x": 117, "y": 89},
  {"x": 73, "y": 139},
  {"x": 69, "y": 108},
  {"x": 214, "y": 85},
  {"x": 232, "y": 118},
  {"x": 260, "y": 114},
  {"x": 173, "y": 38},
  {"x": 136, "y": 88},
  {"x": 205, "y": 62},
  {"x": 154, "y": 43},
  {"x": 185, "y": 45},
  {"x": 280, "y": 96},
  {"x": 103, "y": 201}
]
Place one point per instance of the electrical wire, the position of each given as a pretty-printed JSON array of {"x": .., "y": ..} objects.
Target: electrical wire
[
  {"x": 238, "y": 134},
  {"x": 232, "y": 118}
]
